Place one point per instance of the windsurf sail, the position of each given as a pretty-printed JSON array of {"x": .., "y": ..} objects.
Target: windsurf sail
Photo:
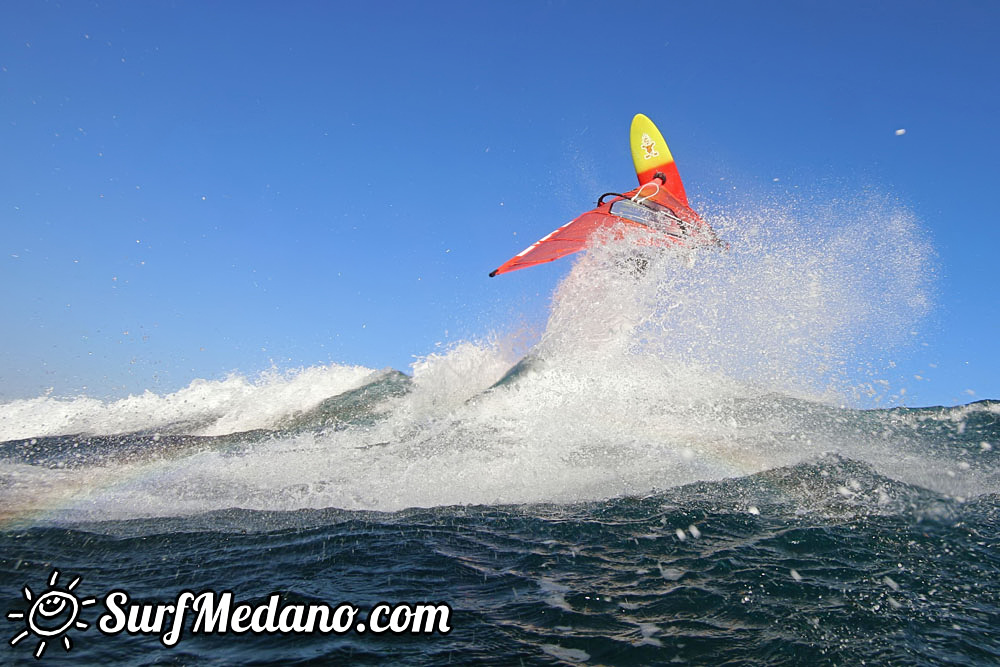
[
  {"x": 571, "y": 237},
  {"x": 658, "y": 205}
]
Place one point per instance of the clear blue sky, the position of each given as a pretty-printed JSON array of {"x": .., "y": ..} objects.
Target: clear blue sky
[{"x": 236, "y": 184}]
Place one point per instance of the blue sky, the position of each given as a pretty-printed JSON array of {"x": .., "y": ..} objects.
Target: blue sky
[{"x": 193, "y": 188}]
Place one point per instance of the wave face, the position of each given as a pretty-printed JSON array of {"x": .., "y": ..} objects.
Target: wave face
[{"x": 819, "y": 563}]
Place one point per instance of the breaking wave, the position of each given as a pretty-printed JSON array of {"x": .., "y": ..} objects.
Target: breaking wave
[{"x": 702, "y": 366}]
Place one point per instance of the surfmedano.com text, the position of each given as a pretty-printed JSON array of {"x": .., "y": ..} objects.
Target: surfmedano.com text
[{"x": 217, "y": 613}]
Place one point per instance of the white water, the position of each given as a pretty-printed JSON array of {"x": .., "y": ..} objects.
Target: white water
[
  {"x": 637, "y": 384},
  {"x": 205, "y": 407}
]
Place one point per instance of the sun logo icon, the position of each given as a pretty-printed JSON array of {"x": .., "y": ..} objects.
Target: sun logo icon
[{"x": 51, "y": 615}]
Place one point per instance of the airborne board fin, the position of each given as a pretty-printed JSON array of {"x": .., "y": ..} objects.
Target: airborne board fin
[{"x": 651, "y": 155}]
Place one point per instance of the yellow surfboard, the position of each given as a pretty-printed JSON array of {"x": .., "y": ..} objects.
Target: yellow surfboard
[{"x": 651, "y": 156}]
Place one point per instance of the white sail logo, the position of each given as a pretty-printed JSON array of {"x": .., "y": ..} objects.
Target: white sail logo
[{"x": 649, "y": 146}]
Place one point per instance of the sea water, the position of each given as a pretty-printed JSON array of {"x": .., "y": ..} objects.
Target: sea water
[{"x": 678, "y": 470}]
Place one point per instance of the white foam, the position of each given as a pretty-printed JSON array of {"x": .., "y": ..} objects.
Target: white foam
[
  {"x": 570, "y": 655},
  {"x": 205, "y": 407}
]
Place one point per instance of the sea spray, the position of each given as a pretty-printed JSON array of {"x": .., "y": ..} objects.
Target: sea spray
[
  {"x": 700, "y": 366},
  {"x": 803, "y": 303}
]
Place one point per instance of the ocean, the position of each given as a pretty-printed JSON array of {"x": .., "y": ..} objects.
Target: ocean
[{"x": 703, "y": 463}]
